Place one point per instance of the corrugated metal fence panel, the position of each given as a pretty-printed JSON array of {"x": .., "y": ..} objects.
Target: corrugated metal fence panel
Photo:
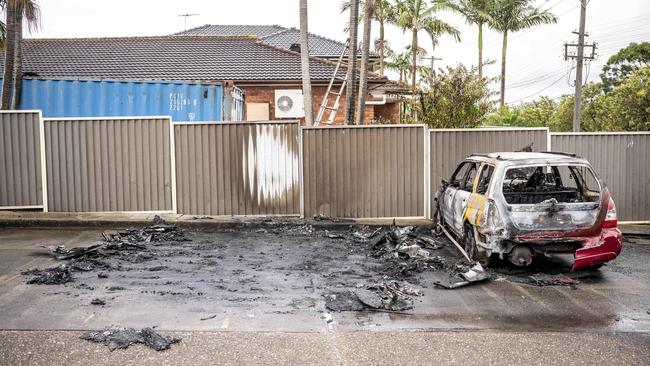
[
  {"x": 103, "y": 165},
  {"x": 238, "y": 168},
  {"x": 20, "y": 160},
  {"x": 90, "y": 98},
  {"x": 450, "y": 147},
  {"x": 622, "y": 161},
  {"x": 373, "y": 171}
]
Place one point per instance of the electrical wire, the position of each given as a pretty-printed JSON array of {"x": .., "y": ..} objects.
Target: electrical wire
[{"x": 534, "y": 94}]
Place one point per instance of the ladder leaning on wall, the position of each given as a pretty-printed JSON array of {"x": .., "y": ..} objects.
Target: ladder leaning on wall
[{"x": 325, "y": 106}]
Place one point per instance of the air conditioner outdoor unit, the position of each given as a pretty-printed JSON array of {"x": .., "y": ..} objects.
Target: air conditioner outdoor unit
[{"x": 289, "y": 104}]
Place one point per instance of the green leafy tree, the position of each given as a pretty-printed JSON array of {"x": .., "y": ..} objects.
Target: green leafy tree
[
  {"x": 537, "y": 113},
  {"x": 510, "y": 16},
  {"x": 630, "y": 101},
  {"x": 456, "y": 98},
  {"x": 620, "y": 65}
]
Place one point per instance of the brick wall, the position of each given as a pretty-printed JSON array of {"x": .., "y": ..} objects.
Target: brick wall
[{"x": 266, "y": 94}]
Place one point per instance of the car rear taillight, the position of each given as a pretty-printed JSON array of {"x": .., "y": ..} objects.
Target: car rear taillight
[{"x": 610, "y": 219}]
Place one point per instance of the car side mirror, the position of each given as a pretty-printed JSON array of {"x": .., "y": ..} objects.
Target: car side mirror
[{"x": 444, "y": 182}]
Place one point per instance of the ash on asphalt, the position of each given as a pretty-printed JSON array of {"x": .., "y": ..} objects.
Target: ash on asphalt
[{"x": 286, "y": 266}]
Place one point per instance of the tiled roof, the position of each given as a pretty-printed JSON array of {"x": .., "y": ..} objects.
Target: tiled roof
[
  {"x": 274, "y": 35},
  {"x": 232, "y": 30},
  {"x": 318, "y": 46},
  {"x": 179, "y": 58}
]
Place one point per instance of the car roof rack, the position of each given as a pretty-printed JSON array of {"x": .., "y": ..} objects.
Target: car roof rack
[
  {"x": 484, "y": 155},
  {"x": 560, "y": 153}
]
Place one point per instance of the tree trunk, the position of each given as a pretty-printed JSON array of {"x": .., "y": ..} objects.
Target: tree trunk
[
  {"x": 382, "y": 48},
  {"x": 503, "y": 68},
  {"x": 18, "y": 66},
  {"x": 414, "y": 58},
  {"x": 350, "y": 98},
  {"x": 304, "y": 64},
  {"x": 365, "y": 53},
  {"x": 8, "y": 76},
  {"x": 480, "y": 50}
]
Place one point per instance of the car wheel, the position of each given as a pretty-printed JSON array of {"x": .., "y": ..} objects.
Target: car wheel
[{"x": 473, "y": 251}]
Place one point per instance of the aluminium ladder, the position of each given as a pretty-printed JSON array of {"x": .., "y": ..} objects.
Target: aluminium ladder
[{"x": 324, "y": 106}]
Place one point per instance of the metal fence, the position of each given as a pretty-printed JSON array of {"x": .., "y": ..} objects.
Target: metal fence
[
  {"x": 273, "y": 168},
  {"x": 238, "y": 168},
  {"x": 621, "y": 159},
  {"x": 364, "y": 171},
  {"x": 21, "y": 160},
  {"x": 448, "y": 147},
  {"x": 109, "y": 164}
]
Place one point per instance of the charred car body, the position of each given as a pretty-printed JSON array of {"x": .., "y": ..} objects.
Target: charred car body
[{"x": 519, "y": 205}]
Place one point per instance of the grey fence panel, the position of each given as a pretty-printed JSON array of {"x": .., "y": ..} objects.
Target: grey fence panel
[
  {"x": 109, "y": 164},
  {"x": 21, "y": 175},
  {"x": 364, "y": 171},
  {"x": 238, "y": 168},
  {"x": 621, "y": 159},
  {"x": 449, "y": 147}
]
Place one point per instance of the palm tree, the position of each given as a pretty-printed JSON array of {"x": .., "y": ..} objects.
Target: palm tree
[
  {"x": 369, "y": 8},
  {"x": 400, "y": 63},
  {"x": 352, "y": 63},
  {"x": 418, "y": 15},
  {"x": 384, "y": 14},
  {"x": 475, "y": 12},
  {"x": 10, "y": 48},
  {"x": 27, "y": 9},
  {"x": 304, "y": 64},
  {"x": 510, "y": 16},
  {"x": 15, "y": 11}
]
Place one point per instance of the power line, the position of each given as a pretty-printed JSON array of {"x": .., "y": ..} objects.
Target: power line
[{"x": 543, "y": 89}]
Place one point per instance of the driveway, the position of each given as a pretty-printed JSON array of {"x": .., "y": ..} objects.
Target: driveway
[{"x": 267, "y": 283}]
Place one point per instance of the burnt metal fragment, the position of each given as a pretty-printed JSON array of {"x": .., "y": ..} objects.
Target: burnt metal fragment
[
  {"x": 116, "y": 338},
  {"x": 49, "y": 276},
  {"x": 97, "y": 302}
]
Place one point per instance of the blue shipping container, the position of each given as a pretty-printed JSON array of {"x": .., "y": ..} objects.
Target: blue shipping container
[{"x": 92, "y": 98}]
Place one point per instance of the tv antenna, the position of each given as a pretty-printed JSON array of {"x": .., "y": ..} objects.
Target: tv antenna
[{"x": 187, "y": 16}]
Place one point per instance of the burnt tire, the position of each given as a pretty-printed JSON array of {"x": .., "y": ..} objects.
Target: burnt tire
[{"x": 473, "y": 251}]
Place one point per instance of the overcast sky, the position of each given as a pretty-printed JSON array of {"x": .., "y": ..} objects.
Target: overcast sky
[{"x": 535, "y": 63}]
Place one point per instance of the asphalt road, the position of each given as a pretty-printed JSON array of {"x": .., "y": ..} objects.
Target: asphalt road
[{"x": 265, "y": 292}]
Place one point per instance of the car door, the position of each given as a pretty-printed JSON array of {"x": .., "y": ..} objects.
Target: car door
[
  {"x": 447, "y": 203},
  {"x": 477, "y": 200},
  {"x": 461, "y": 197}
]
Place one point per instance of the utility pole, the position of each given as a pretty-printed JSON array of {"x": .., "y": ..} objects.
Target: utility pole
[
  {"x": 579, "y": 63},
  {"x": 187, "y": 16}
]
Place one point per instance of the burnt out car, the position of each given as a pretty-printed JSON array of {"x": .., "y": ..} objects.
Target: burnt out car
[{"x": 520, "y": 205}]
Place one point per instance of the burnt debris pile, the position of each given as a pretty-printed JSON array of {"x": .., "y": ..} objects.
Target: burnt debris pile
[
  {"x": 49, "y": 276},
  {"x": 391, "y": 296},
  {"x": 131, "y": 245},
  {"x": 118, "y": 338},
  {"x": 404, "y": 250}
]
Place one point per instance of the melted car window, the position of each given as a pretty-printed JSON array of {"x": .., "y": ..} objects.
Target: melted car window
[
  {"x": 550, "y": 183},
  {"x": 468, "y": 184},
  {"x": 484, "y": 179}
]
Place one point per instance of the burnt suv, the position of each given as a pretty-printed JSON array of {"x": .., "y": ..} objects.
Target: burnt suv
[{"x": 521, "y": 205}]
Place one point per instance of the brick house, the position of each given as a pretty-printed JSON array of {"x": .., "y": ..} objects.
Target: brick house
[{"x": 383, "y": 99}]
